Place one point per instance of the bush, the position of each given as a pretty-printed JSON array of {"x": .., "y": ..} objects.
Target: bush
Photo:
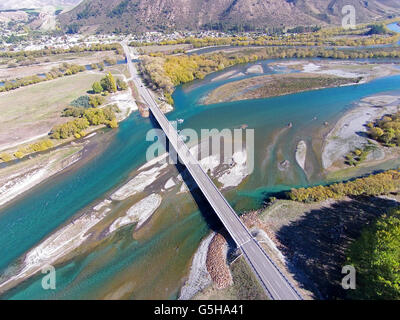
[
  {"x": 113, "y": 124},
  {"x": 95, "y": 101},
  {"x": 69, "y": 129},
  {"x": 82, "y": 101},
  {"x": 97, "y": 88},
  {"x": 75, "y": 112},
  {"x": 40, "y": 146}
]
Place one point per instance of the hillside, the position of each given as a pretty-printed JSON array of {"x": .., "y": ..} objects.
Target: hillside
[{"x": 149, "y": 15}]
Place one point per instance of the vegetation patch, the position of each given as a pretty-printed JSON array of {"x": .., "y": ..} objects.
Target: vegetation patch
[
  {"x": 23, "y": 151},
  {"x": 85, "y": 119},
  {"x": 358, "y": 156},
  {"x": 300, "y": 36},
  {"x": 245, "y": 284},
  {"x": 274, "y": 85},
  {"x": 85, "y": 111},
  {"x": 373, "y": 185},
  {"x": 386, "y": 130},
  {"x": 376, "y": 258}
]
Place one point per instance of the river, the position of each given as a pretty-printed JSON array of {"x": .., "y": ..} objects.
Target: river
[{"x": 153, "y": 265}]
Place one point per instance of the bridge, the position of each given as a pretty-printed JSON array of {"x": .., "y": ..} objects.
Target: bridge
[{"x": 271, "y": 278}]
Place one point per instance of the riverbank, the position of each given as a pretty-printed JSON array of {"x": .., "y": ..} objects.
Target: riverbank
[
  {"x": 21, "y": 177},
  {"x": 350, "y": 133},
  {"x": 304, "y": 76}
]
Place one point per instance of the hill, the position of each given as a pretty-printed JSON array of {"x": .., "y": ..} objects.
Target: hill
[{"x": 150, "y": 15}]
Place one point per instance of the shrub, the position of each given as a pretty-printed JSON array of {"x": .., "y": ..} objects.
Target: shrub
[
  {"x": 113, "y": 124},
  {"x": 75, "y": 112},
  {"x": 95, "y": 101},
  {"x": 82, "y": 101},
  {"x": 97, "y": 88},
  {"x": 40, "y": 146}
]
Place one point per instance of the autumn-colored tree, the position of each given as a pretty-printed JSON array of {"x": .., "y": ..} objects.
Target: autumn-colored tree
[{"x": 108, "y": 83}]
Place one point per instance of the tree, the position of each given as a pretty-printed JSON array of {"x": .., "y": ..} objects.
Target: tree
[
  {"x": 376, "y": 133},
  {"x": 376, "y": 257},
  {"x": 388, "y": 136},
  {"x": 97, "y": 88},
  {"x": 108, "y": 83},
  {"x": 82, "y": 101}
]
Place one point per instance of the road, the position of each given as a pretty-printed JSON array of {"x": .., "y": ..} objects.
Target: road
[{"x": 275, "y": 284}]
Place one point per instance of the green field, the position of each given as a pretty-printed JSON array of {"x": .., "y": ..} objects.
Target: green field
[{"x": 34, "y": 110}]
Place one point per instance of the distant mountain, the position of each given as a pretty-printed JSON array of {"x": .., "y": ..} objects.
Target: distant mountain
[
  {"x": 145, "y": 15},
  {"x": 20, "y": 4}
]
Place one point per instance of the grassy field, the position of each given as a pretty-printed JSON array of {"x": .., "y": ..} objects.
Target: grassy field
[{"x": 32, "y": 111}]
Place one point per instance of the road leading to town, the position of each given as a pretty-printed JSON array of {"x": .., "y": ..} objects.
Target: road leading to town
[{"x": 275, "y": 284}]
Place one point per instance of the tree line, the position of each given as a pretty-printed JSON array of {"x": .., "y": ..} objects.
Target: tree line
[
  {"x": 165, "y": 72},
  {"x": 21, "y": 152},
  {"x": 65, "y": 69},
  {"x": 372, "y": 185},
  {"x": 56, "y": 51},
  {"x": 372, "y": 35},
  {"x": 57, "y": 72}
]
